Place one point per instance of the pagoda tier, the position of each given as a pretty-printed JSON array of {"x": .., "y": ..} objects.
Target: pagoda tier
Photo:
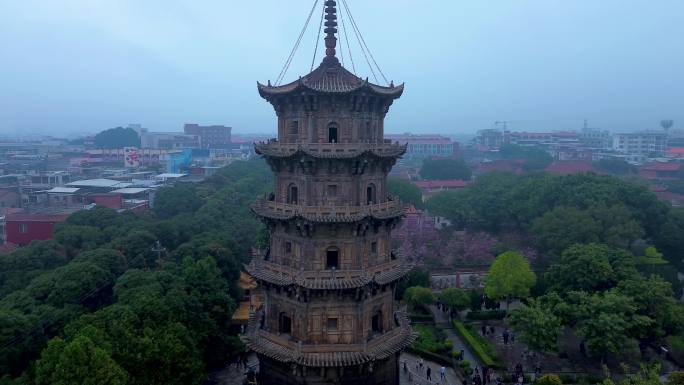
[
  {"x": 277, "y": 274},
  {"x": 282, "y": 348}
]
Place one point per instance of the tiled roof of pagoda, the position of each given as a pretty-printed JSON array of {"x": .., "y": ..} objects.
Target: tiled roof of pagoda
[
  {"x": 330, "y": 78},
  {"x": 378, "y": 348}
]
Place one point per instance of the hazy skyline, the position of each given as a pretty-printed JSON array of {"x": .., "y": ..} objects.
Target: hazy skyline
[{"x": 86, "y": 65}]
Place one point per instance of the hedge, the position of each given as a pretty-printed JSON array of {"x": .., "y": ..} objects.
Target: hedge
[
  {"x": 476, "y": 346},
  {"x": 486, "y": 315},
  {"x": 438, "y": 358}
]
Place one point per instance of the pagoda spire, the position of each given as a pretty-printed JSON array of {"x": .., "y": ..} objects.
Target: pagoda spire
[{"x": 330, "y": 30}]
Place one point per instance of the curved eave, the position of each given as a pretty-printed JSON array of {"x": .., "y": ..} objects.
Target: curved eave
[
  {"x": 388, "y": 344},
  {"x": 400, "y": 151},
  {"x": 339, "y": 283},
  {"x": 267, "y": 92}
]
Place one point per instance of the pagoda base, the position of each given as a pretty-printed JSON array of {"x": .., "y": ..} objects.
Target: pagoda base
[{"x": 383, "y": 372}]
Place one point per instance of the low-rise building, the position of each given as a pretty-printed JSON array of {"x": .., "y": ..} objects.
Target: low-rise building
[
  {"x": 23, "y": 228},
  {"x": 210, "y": 136},
  {"x": 660, "y": 170},
  {"x": 428, "y": 188},
  {"x": 647, "y": 143},
  {"x": 423, "y": 146}
]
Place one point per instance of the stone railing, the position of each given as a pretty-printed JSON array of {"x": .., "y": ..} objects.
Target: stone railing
[
  {"x": 330, "y": 150},
  {"x": 278, "y": 210},
  {"x": 327, "y": 279}
]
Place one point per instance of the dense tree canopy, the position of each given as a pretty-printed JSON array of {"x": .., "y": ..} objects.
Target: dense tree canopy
[
  {"x": 103, "y": 303},
  {"x": 445, "y": 168},
  {"x": 406, "y": 191},
  {"x": 118, "y": 137}
]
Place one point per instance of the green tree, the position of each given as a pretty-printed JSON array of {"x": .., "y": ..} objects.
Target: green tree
[
  {"x": 537, "y": 326},
  {"x": 608, "y": 322},
  {"x": 454, "y": 206},
  {"x": 456, "y": 299},
  {"x": 590, "y": 267},
  {"x": 171, "y": 201},
  {"x": 118, "y": 137},
  {"x": 509, "y": 277},
  {"x": 563, "y": 226},
  {"x": 654, "y": 298},
  {"x": 415, "y": 277},
  {"x": 78, "y": 238},
  {"x": 418, "y": 296},
  {"x": 406, "y": 191},
  {"x": 445, "y": 169},
  {"x": 78, "y": 362}
]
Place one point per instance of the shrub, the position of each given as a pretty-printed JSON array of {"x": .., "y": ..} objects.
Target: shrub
[
  {"x": 465, "y": 367},
  {"x": 439, "y": 358},
  {"x": 429, "y": 339},
  {"x": 548, "y": 379},
  {"x": 675, "y": 378},
  {"x": 482, "y": 315}
]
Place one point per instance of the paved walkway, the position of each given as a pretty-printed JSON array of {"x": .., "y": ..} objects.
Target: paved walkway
[
  {"x": 442, "y": 322},
  {"x": 416, "y": 377}
]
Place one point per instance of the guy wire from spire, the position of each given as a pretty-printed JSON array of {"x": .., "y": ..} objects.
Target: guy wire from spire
[
  {"x": 346, "y": 37},
  {"x": 294, "y": 49},
  {"x": 358, "y": 38},
  {"x": 318, "y": 37},
  {"x": 351, "y": 16}
]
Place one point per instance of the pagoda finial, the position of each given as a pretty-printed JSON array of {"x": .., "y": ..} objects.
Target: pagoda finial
[{"x": 330, "y": 28}]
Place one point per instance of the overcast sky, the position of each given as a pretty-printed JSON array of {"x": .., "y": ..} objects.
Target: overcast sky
[{"x": 69, "y": 66}]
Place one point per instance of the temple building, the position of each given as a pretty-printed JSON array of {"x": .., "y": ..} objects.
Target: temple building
[{"x": 329, "y": 277}]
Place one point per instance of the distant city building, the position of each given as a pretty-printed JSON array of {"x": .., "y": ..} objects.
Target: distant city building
[
  {"x": 595, "y": 137},
  {"x": 647, "y": 143},
  {"x": 169, "y": 140},
  {"x": 210, "y": 136},
  {"x": 490, "y": 138},
  {"x": 421, "y": 146},
  {"x": 541, "y": 139}
]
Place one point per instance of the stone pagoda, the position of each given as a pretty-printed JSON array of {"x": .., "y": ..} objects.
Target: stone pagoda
[{"x": 329, "y": 276}]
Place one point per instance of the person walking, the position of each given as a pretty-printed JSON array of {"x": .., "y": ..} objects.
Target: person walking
[
  {"x": 442, "y": 373},
  {"x": 505, "y": 337},
  {"x": 420, "y": 365},
  {"x": 429, "y": 374}
]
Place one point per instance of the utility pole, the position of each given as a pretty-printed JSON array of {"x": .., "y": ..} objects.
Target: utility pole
[{"x": 157, "y": 248}]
